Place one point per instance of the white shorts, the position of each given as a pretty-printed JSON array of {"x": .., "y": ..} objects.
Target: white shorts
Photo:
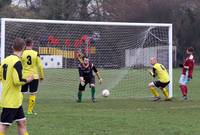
[{"x": 183, "y": 79}]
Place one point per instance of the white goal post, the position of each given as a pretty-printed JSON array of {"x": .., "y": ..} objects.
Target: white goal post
[{"x": 146, "y": 34}]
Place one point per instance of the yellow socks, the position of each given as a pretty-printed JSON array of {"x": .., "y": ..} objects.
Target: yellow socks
[
  {"x": 26, "y": 133},
  {"x": 154, "y": 91},
  {"x": 165, "y": 92},
  {"x": 156, "y": 94},
  {"x": 31, "y": 104}
]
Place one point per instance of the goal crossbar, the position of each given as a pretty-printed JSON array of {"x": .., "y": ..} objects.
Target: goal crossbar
[{"x": 87, "y": 22}]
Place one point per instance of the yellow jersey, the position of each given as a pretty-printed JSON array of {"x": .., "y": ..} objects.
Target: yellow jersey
[
  {"x": 161, "y": 73},
  {"x": 32, "y": 64},
  {"x": 11, "y": 77}
]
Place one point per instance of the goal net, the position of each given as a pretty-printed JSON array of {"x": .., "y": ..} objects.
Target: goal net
[{"x": 120, "y": 51}]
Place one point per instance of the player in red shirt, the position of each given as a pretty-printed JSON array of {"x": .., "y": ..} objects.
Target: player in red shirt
[{"x": 187, "y": 70}]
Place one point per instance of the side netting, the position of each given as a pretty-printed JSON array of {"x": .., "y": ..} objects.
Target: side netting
[{"x": 121, "y": 52}]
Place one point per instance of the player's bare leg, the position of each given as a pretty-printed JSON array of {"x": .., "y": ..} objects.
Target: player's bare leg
[
  {"x": 21, "y": 125},
  {"x": 3, "y": 129}
]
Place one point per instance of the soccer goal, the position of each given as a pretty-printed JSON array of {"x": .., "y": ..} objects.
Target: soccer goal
[{"x": 121, "y": 52}]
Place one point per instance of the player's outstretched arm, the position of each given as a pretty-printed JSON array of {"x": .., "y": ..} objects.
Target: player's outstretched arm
[
  {"x": 97, "y": 74},
  {"x": 190, "y": 69},
  {"x": 17, "y": 75},
  {"x": 152, "y": 72},
  {"x": 99, "y": 77},
  {"x": 79, "y": 56}
]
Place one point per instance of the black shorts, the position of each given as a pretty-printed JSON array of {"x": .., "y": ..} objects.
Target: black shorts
[
  {"x": 9, "y": 115},
  {"x": 159, "y": 84},
  {"x": 32, "y": 87},
  {"x": 87, "y": 80}
]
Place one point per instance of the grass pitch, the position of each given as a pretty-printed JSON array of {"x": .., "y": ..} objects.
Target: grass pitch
[{"x": 128, "y": 111}]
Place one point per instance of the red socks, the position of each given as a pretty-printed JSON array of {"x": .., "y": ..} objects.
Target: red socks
[{"x": 183, "y": 90}]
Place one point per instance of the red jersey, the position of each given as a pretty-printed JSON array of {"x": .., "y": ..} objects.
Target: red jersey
[{"x": 188, "y": 65}]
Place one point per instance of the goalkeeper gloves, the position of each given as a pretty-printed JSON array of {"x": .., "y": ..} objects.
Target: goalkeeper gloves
[
  {"x": 181, "y": 65},
  {"x": 189, "y": 78},
  {"x": 82, "y": 83},
  {"x": 151, "y": 73}
]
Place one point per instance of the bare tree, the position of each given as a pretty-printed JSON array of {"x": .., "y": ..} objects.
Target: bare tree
[
  {"x": 5, "y": 3},
  {"x": 184, "y": 14},
  {"x": 56, "y": 9}
]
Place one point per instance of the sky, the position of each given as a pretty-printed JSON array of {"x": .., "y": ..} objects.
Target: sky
[{"x": 20, "y": 2}]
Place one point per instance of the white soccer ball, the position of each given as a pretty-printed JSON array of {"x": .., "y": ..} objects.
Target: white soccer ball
[{"x": 105, "y": 93}]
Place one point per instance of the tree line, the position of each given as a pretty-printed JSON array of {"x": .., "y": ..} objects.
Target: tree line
[{"x": 183, "y": 14}]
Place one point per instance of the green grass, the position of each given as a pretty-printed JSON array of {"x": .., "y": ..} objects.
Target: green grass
[{"x": 133, "y": 114}]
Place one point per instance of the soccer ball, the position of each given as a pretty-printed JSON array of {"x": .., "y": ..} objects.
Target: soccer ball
[{"x": 105, "y": 93}]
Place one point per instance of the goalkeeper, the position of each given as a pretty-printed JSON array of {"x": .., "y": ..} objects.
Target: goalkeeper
[
  {"x": 86, "y": 75},
  {"x": 160, "y": 72}
]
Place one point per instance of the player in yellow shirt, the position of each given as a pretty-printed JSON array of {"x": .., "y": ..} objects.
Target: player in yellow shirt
[
  {"x": 160, "y": 72},
  {"x": 11, "y": 98},
  {"x": 31, "y": 63}
]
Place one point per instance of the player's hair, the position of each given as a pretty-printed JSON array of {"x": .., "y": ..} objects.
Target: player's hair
[
  {"x": 29, "y": 42},
  {"x": 18, "y": 44},
  {"x": 85, "y": 57},
  {"x": 190, "y": 49}
]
